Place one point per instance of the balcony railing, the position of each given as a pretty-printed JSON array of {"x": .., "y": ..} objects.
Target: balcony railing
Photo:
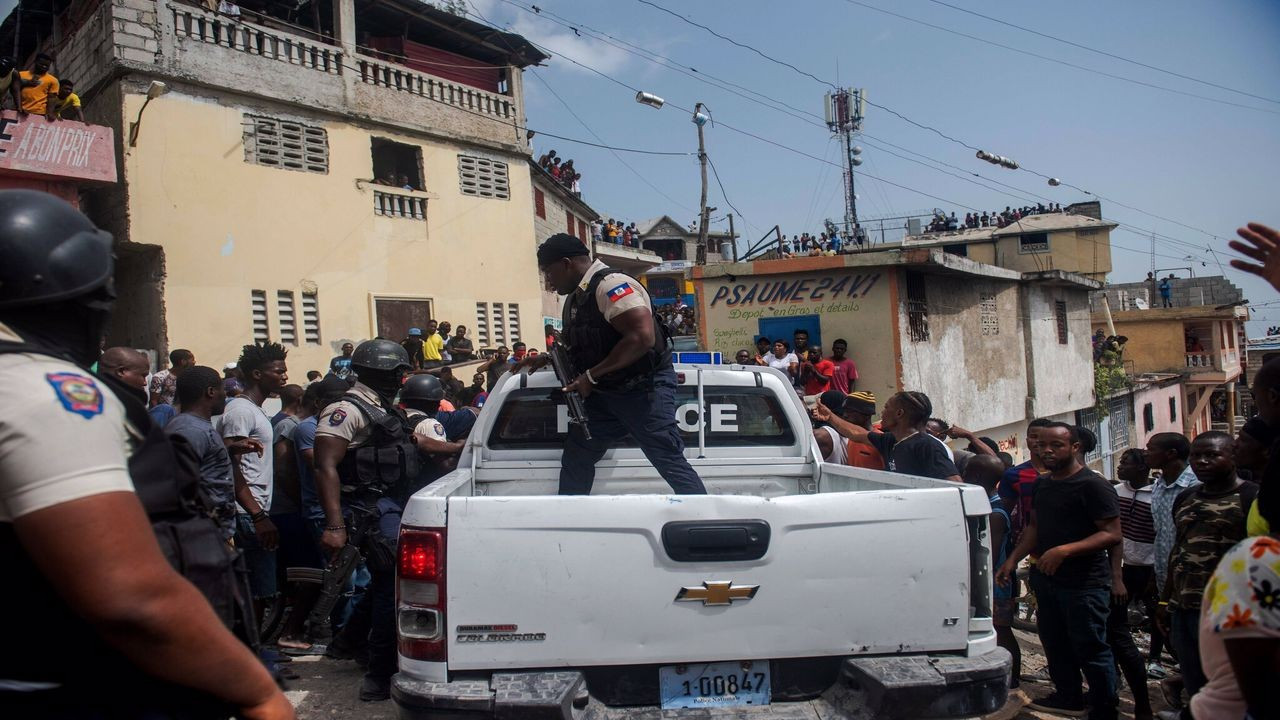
[
  {"x": 401, "y": 206},
  {"x": 1202, "y": 361},
  {"x": 413, "y": 82},
  {"x": 221, "y": 30}
]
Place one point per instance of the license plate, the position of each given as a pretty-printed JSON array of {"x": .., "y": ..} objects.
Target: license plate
[{"x": 722, "y": 684}]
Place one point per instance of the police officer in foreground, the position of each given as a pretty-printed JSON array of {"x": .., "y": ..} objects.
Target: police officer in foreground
[
  {"x": 364, "y": 451},
  {"x": 98, "y": 624},
  {"x": 623, "y": 361}
]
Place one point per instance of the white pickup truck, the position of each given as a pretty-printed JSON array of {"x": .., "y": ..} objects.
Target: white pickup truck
[{"x": 794, "y": 589}]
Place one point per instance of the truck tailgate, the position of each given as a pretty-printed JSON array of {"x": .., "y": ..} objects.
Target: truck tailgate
[{"x": 588, "y": 580}]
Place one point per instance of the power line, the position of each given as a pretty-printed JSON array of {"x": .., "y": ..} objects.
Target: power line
[
  {"x": 625, "y": 164},
  {"x": 1103, "y": 52},
  {"x": 735, "y": 42},
  {"x": 921, "y": 125},
  {"x": 1055, "y": 60}
]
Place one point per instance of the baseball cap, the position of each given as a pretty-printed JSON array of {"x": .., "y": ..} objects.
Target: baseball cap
[{"x": 559, "y": 247}]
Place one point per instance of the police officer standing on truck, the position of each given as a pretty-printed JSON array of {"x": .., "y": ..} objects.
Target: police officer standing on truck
[
  {"x": 365, "y": 451},
  {"x": 98, "y": 622},
  {"x": 623, "y": 360}
]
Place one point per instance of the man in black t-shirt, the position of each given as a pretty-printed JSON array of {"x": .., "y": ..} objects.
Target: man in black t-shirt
[
  {"x": 1075, "y": 518},
  {"x": 904, "y": 444}
]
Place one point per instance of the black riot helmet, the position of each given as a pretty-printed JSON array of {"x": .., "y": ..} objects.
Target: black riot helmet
[
  {"x": 380, "y": 355},
  {"x": 422, "y": 389},
  {"x": 380, "y": 364},
  {"x": 51, "y": 251},
  {"x": 56, "y": 271}
]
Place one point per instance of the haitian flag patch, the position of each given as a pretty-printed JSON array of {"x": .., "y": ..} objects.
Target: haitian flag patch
[
  {"x": 620, "y": 292},
  {"x": 336, "y": 418},
  {"x": 77, "y": 393}
]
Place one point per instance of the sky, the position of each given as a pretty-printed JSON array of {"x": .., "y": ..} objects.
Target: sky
[{"x": 1188, "y": 168}]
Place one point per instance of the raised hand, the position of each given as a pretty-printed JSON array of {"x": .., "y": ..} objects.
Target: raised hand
[{"x": 1263, "y": 245}]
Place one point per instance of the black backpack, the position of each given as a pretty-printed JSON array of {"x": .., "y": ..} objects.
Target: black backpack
[{"x": 166, "y": 477}]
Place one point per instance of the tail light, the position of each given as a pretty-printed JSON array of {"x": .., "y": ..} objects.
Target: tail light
[
  {"x": 420, "y": 594},
  {"x": 980, "y": 568}
]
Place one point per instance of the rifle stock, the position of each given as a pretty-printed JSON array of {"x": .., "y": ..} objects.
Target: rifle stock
[{"x": 564, "y": 375}]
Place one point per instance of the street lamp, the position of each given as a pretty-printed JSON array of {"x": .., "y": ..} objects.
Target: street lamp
[{"x": 700, "y": 119}]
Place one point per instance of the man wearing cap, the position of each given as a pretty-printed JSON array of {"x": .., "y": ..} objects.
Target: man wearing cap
[
  {"x": 413, "y": 345},
  {"x": 623, "y": 360},
  {"x": 859, "y": 408}
]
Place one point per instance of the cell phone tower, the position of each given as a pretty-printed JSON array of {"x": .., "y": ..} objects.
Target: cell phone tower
[{"x": 844, "y": 111}]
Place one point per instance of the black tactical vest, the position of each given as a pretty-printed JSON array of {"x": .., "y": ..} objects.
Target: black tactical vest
[
  {"x": 387, "y": 462},
  {"x": 589, "y": 338}
]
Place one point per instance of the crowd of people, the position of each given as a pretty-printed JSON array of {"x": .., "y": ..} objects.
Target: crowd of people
[
  {"x": 1180, "y": 546},
  {"x": 679, "y": 317},
  {"x": 562, "y": 171},
  {"x": 831, "y": 242},
  {"x": 260, "y": 471},
  {"x": 942, "y": 222},
  {"x": 616, "y": 232},
  {"x": 36, "y": 91}
]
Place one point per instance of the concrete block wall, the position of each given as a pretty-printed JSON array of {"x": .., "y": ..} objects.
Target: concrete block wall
[{"x": 1186, "y": 292}]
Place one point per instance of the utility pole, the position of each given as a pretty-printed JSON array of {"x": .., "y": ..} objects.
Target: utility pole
[
  {"x": 733, "y": 238},
  {"x": 700, "y": 119},
  {"x": 844, "y": 111}
]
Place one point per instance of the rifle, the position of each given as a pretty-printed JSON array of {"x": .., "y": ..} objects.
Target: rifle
[
  {"x": 339, "y": 568},
  {"x": 563, "y": 368}
]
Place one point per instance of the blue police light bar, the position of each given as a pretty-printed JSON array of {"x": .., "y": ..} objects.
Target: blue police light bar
[{"x": 698, "y": 358}]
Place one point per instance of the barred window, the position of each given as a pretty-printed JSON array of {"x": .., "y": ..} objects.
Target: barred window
[
  {"x": 310, "y": 318},
  {"x": 286, "y": 317},
  {"x": 285, "y": 144},
  {"x": 917, "y": 308},
  {"x": 539, "y": 203},
  {"x": 482, "y": 177},
  {"x": 1060, "y": 315},
  {"x": 258, "y": 303},
  {"x": 988, "y": 314}
]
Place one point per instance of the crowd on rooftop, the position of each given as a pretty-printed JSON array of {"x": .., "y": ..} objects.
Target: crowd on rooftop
[
  {"x": 562, "y": 171},
  {"x": 943, "y": 223},
  {"x": 37, "y": 92}
]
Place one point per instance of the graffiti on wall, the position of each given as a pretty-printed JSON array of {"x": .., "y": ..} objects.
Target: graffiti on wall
[{"x": 808, "y": 289}]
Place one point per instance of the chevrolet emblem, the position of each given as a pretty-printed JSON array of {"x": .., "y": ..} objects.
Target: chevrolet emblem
[{"x": 717, "y": 593}]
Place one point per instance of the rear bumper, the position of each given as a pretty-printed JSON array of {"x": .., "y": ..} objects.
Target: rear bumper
[{"x": 911, "y": 686}]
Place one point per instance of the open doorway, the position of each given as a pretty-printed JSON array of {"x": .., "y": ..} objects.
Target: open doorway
[{"x": 138, "y": 319}]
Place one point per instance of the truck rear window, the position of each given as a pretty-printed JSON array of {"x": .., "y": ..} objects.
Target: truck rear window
[{"x": 736, "y": 417}]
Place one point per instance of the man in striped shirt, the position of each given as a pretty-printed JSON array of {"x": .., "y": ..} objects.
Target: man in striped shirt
[{"x": 1138, "y": 552}]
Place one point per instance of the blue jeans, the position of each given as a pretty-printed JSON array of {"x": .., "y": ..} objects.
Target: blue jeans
[
  {"x": 261, "y": 562},
  {"x": 649, "y": 417},
  {"x": 1072, "y": 623}
]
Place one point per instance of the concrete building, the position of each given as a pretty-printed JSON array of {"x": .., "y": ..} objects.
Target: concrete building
[
  {"x": 1201, "y": 344},
  {"x": 677, "y": 247},
  {"x": 307, "y": 178},
  {"x": 1128, "y": 418},
  {"x": 1184, "y": 292},
  {"x": 1076, "y": 241},
  {"x": 557, "y": 210},
  {"x": 991, "y": 347}
]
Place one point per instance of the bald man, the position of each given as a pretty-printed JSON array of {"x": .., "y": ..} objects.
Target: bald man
[{"x": 126, "y": 364}]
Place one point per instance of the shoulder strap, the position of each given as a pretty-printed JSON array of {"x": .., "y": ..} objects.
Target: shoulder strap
[{"x": 370, "y": 412}]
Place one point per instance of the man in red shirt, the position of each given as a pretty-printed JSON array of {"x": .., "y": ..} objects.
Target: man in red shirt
[
  {"x": 846, "y": 373},
  {"x": 816, "y": 372}
]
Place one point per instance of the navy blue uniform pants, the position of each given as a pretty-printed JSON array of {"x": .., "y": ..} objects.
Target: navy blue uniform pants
[{"x": 649, "y": 416}]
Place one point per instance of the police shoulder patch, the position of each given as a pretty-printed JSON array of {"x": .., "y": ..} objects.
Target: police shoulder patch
[
  {"x": 620, "y": 292},
  {"x": 336, "y": 417},
  {"x": 438, "y": 428},
  {"x": 77, "y": 393}
]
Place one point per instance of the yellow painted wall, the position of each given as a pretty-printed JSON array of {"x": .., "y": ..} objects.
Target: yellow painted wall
[
  {"x": 228, "y": 226},
  {"x": 1154, "y": 346},
  {"x": 859, "y": 311},
  {"x": 1070, "y": 250}
]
